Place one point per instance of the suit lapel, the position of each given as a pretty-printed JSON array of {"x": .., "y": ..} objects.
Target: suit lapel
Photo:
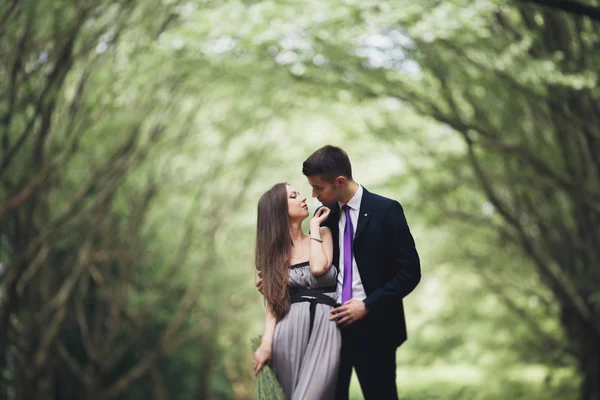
[
  {"x": 332, "y": 223},
  {"x": 364, "y": 213},
  {"x": 334, "y": 216}
]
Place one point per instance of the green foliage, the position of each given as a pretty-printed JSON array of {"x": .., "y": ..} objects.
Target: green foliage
[
  {"x": 267, "y": 386},
  {"x": 161, "y": 123}
]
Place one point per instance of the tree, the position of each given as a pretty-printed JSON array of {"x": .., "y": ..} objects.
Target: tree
[
  {"x": 88, "y": 146},
  {"x": 517, "y": 84},
  {"x": 572, "y": 7}
]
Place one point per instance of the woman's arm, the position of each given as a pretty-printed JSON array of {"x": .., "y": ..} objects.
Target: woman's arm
[
  {"x": 262, "y": 355},
  {"x": 270, "y": 322},
  {"x": 321, "y": 249}
]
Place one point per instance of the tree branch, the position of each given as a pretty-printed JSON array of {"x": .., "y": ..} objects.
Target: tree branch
[
  {"x": 571, "y": 7},
  {"x": 7, "y": 15}
]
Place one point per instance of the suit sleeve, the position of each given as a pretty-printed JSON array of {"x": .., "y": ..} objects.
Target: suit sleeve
[
  {"x": 328, "y": 222},
  {"x": 404, "y": 261}
]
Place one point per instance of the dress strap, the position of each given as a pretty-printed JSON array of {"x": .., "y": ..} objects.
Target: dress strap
[{"x": 298, "y": 265}]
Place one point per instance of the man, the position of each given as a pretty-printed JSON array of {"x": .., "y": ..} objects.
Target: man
[{"x": 378, "y": 265}]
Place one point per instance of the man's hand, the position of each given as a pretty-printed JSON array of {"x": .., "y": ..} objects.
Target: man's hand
[
  {"x": 349, "y": 312},
  {"x": 259, "y": 285}
]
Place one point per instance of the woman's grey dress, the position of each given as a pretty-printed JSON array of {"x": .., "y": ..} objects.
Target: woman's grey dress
[{"x": 306, "y": 351}]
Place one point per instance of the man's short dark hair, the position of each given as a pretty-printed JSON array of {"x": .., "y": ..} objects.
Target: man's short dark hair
[{"x": 328, "y": 162}]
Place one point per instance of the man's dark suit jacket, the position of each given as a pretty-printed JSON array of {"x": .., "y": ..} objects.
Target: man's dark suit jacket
[{"x": 387, "y": 262}]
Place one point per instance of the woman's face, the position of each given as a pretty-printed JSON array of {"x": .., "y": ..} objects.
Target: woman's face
[{"x": 297, "y": 207}]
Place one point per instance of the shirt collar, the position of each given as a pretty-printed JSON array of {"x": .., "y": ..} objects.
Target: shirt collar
[{"x": 355, "y": 201}]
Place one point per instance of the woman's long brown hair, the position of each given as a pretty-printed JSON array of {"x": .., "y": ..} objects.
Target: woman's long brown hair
[{"x": 273, "y": 242}]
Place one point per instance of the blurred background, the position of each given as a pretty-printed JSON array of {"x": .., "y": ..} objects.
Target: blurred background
[{"x": 137, "y": 136}]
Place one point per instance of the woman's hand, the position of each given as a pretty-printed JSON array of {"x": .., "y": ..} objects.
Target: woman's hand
[
  {"x": 320, "y": 217},
  {"x": 262, "y": 356}
]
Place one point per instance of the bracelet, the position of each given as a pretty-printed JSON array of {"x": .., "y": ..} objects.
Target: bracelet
[{"x": 318, "y": 240}]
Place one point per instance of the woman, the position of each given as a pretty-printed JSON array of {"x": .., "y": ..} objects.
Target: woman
[{"x": 300, "y": 343}]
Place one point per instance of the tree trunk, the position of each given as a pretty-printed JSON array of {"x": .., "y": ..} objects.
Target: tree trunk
[
  {"x": 204, "y": 368},
  {"x": 45, "y": 383},
  {"x": 589, "y": 366},
  {"x": 91, "y": 383},
  {"x": 585, "y": 342}
]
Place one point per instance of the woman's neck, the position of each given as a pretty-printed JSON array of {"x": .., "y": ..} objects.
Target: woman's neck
[{"x": 296, "y": 232}]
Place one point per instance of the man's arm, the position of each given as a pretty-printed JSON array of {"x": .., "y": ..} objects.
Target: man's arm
[{"x": 405, "y": 261}]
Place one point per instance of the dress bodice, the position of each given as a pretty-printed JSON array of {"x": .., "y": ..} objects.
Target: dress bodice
[{"x": 302, "y": 279}]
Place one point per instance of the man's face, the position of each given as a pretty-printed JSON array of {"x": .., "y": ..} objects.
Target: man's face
[{"x": 323, "y": 191}]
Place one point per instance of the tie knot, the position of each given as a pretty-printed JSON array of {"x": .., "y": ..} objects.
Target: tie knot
[{"x": 346, "y": 209}]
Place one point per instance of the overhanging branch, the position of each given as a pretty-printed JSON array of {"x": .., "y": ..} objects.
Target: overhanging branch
[{"x": 571, "y": 7}]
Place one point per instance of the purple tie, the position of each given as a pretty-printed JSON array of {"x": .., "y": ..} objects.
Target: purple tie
[{"x": 348, "y": 236}]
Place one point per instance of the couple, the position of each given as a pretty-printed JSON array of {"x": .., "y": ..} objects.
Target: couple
[{"x": 334, "y": 297}]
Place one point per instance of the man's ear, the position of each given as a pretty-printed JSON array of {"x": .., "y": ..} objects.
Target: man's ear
[{"x": 341, "y": 181}]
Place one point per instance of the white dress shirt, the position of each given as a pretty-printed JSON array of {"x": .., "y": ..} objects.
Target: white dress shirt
[{"x": 358, "y": 291}]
